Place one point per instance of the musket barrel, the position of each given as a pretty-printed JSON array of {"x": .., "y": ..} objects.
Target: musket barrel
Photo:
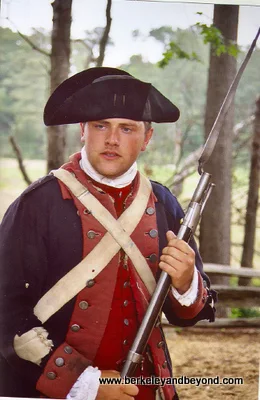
[{"x": 153, "y": 311}]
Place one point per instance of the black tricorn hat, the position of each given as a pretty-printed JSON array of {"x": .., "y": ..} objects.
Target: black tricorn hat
[{"x": 99, "y": 93}]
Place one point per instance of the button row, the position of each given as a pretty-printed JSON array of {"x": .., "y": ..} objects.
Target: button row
[
  {"x": 150, "y": 210},
  {"x": 153, "y": 233},
  {"x": 90, "y": 283},
  {"x": 152, "y": 258},
  {"x": 92, "y": 234},
  {"x": 59, "y": 362},
  {"x": 83, "y": 305}
]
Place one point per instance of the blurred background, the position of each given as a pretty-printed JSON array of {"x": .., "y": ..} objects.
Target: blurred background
[{"x": 190, "y": 52}]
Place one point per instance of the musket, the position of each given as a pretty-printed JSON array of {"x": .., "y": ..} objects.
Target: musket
[{"x": 187, "y": 229}]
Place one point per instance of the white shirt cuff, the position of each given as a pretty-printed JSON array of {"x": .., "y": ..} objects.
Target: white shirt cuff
[
  {"x": 189, "y": 297},
  {"x": 86, "y": 386}
]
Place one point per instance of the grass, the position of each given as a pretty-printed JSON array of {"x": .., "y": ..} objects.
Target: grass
[{"x": 11, "y": 177}]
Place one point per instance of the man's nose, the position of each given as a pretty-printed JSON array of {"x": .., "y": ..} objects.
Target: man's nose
[{"x": 112, "y": 137}]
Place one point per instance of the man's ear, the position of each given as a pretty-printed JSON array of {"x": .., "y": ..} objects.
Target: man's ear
[
  {"x": 82, "y": 133},
  {"x": 148, "y": 136}
]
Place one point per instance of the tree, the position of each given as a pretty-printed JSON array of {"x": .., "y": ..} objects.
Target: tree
[
  {"x": 23, "y": 81},
  {"x": 60, "y": 64},
  {"x": 104, "y": 40},
  {"x": 215, "y": 226},
  {"x": 253, "y": 196}
]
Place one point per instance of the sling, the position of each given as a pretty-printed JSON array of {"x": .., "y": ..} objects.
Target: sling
[{"x": 117, "y": 236}]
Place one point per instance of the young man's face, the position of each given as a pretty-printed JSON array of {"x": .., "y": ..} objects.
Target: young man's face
[{"x": 113, "y": 145}]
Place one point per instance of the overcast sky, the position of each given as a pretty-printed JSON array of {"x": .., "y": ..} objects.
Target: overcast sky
[{"x": 127, "y": 16}]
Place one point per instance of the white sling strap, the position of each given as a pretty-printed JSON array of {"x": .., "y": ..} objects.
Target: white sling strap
[{"x": 117, "y": 237}]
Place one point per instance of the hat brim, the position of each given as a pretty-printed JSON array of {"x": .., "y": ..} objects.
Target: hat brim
[{"x": 84, "y": 97}]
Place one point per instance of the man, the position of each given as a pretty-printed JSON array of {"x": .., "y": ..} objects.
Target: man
[{"x": 81, "y": 250}]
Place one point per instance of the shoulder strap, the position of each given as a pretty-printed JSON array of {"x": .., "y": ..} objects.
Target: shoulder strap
[{"x": 118, "y": 236}]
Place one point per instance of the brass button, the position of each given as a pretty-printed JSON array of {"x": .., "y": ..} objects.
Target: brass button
[
  {"x": 91, "y": 234},
  {"x": 68, "y": 349},
  {"x": 125, "y": 342},
  {"x": 160, "y": 344},
  {"x": 126, "y": 303},
  {"x": 83, "y": 305},
  {"x": 150, "y": 210},
  {"x": 75, "y": 328},
  {"x": 153, "y": 233},
  {"x": 86, "y": 211},
  {"x": 125, "y": 266},
  {"x": 59, "y": 362},
  {"x": 126, "y": 284},
  {"x": 51, "y": 375},
  {"x": 90, "y": 283},
  {"x": 126, "y": 322},
  {"x": 152, "y": 258},
  {"x": 164, "y": 364}
]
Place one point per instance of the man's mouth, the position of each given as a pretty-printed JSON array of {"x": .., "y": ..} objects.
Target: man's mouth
[{"x": 110, "y": 154}]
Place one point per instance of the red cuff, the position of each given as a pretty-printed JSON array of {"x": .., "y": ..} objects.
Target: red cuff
[
  {"x": 191, "y": 311},
  {"x": 61, "y": 372}
]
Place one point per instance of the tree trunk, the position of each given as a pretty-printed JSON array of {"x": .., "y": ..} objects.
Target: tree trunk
[
  {"x": 215, "y": 226},
  {"x": 104, "y": 39},
  {"x": 252, "y": 201},
  {"x": 215, "y": 241},
  {"x": 60, "y": 64}
]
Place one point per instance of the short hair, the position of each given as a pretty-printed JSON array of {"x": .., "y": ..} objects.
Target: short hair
[{"x": 147, "y": 126}]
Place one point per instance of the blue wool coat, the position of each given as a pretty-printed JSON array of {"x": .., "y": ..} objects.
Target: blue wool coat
[{"x": 41, "y": 240}]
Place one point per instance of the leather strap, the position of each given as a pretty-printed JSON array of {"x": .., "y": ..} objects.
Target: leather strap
[{"x": 117, "y": 236}]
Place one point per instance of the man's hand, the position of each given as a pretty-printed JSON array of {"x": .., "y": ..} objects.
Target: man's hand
[
  {"x": 117, "y": 391},
  {"x": 178, "y": 260}
]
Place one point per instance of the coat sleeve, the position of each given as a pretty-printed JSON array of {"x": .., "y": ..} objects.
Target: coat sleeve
[
  {"x": 169, "y": 216},
  {"x": 24, "y": 263}
]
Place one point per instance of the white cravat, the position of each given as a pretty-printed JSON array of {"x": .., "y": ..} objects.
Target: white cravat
[{"x": 119, "y": 182}]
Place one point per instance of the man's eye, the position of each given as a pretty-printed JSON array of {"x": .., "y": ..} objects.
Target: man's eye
[
  {"x": 99, "y": 126},
  {"x": 126, "y": 130}
]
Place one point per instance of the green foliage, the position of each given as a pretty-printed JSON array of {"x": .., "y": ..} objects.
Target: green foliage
[
  {"x": 24, "y": 88},
  {"x": 213, "y": 36},
  {"x": 23, "y": 82},
  {"x": 256, "y": 281},
  {"x": 253, "y": 312},
  {"x": 175, "y": 51},
  {"x": 175, "y": 44}
]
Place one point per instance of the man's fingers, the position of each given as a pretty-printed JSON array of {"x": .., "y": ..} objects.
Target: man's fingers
[
  {"x": 173, "y": 241},
  {"x": 167, "y": 268},
  {"x": 173, "y": 262},
  {"x": 131, "y": 390},
  {"x": 174, "y": 253},
  {"x": 170, "y": 235}
]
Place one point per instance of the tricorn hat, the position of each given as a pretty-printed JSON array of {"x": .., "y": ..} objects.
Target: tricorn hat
[{"x": 102, "y": 92}]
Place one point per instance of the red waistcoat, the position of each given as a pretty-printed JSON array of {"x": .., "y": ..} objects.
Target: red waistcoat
[{"x": 109, "y": 309}]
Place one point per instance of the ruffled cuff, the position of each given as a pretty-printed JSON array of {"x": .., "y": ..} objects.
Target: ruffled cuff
[
  {"x": 86, "y": 386},
  {"x": 189, "y": 297}
]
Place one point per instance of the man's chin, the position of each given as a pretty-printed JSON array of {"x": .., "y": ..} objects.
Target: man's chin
[{"x": 111, "y": 175}]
